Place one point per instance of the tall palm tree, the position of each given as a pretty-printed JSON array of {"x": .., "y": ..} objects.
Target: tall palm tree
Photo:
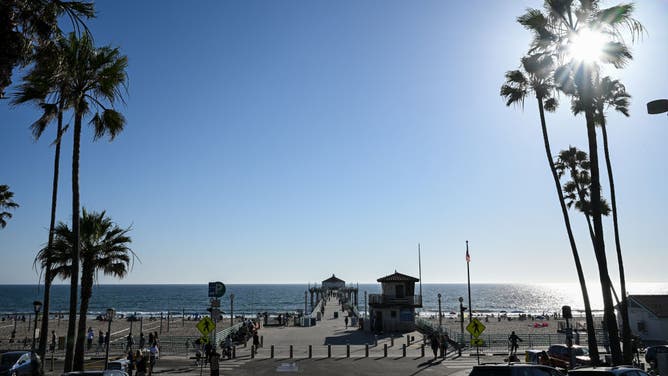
[
  {"x": 6, "y": 203},
  {"x": 91, "y": 80},
  {"x": 536, "y": 78},
  {"x": 556, "y": 32},
  {"x": 36, "y": 88}
]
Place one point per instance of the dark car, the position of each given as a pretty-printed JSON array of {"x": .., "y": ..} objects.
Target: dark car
[
  {"x": 607, "y": 371},
  {"x": 95, "y": 373},
  {"x": 514, "y": 370},
  {"x": 650, "y": 352},
  {"x": 18, "y": 363},
  {"x": 560, "y": 356}
]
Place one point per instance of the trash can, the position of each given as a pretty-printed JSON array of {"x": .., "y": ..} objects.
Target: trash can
[{"x": 336, "y": 314}]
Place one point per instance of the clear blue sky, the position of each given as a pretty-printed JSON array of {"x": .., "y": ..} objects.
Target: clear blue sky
[{"x": 283, "y": 141}]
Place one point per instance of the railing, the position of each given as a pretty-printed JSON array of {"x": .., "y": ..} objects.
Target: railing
[{"x": 380, "y": 299}]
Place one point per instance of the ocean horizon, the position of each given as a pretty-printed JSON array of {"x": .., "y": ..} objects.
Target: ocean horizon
[{"x": 249, "y": 299}]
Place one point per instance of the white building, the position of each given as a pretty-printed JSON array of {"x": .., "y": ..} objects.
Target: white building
[{"x": 648, "y": 316}]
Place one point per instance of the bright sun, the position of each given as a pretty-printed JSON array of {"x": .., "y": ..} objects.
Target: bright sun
[{"x": 587, "y": 46}]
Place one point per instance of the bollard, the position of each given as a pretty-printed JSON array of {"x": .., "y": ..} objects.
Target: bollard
[
  {"x": 384, "y": 350},
  {"x": 290, "y": 351},
  {"x": 272, "y": 352},
  {"x": 261, "y": 341},
  {"x": 403, "y": 350},
  {"x": 347, "y": 350},
  {"x": 310, "y": 351},
  {"x": 422, "y": 351},
  {"x": 234, "y": 352},
  {"x": 329, "y": 351},
  {"x": 253, "y": 352},
  {"x": 391, "y": 341},
  {"x": 375, "y": 339},
  {"x": 366, "y": 350}
]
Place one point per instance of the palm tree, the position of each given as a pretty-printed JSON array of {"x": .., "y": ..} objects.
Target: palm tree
[
  {"x": 90, "y": 80},
  {"x": 6, "y": 203},
  {"x": 104, "y": 247},
  {"x": 556, "y": 32},
  {"x": 36, "y": 89},
  {"x": 28, "y": 23},
  {"x": 536, "y": 78}
]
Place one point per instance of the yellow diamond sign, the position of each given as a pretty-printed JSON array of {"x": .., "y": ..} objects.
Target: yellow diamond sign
[
  {"x": 206, "y": 326},
  {"x": 475, "y": 327}
]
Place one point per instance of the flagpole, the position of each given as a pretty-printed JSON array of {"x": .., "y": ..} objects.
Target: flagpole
[
  {"x": 468, "y": 276},
  {"x": 420, "y": 270}
]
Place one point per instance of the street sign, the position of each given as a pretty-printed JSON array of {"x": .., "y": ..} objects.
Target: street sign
[
  {"x": 475, "y": 327},
  {"x": 204, "y": 339},
  {"x": 206, "y": 326},
  {"x": 477, "y": 342},
  {"x": 216, "y": 289}
]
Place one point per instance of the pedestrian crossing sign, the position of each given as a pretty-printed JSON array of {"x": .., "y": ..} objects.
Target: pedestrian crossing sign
[
  {"x": 206, "y": 326},
  {"x": 475, "y": 327}
]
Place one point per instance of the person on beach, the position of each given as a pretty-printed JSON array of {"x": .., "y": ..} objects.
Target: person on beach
[
  {"x": 514, "y": 345},
  {"x": 433, "y": 342},
  {"x": 89, "y": 338},
  {"x": 214, "y": 364},
  {"x": 142, "y": 340},
  {"x": 100, "y": 342},
  {"x": 52, "y": 347},
  {"x": 256, "y": 341}
]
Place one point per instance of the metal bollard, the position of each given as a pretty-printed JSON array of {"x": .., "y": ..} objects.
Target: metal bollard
[
  {"x": 422, "y": 351},
  {"x": 329, "y": 351},
  {"x": 347, "y": 350},
  {"x": 375, "y": 339},
  {"x": 234, "y": 352},
  {"x": 253, "y": 352},
  {"x": 366, "y": 350},
  {"x": 391, "y": 341},
  {"x": 408, "y": 340},
  {"x": 272, "y": 352},
  {"x": 290, "y": 351},
  {"x": 261, "y": 341},
  {"x": 403, "y": 350},
  {"x": 384, "y": 350},
  {"x": 310, "y": 351}
]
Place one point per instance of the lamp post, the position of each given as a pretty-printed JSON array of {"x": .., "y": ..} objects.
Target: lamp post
[
  {"x": 440, "y": 316},
  {"x": 231, "y": 310},
  {"x": 657, "y": 106},
  {"x": 37, "y": 305},
  {"x": 461, "y": 324},
  {"x": 110, "y": 317}
]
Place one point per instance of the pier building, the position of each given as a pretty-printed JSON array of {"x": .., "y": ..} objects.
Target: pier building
[
  {"x": 333, "y": 283},
  {"x": 394, "y": 309}
]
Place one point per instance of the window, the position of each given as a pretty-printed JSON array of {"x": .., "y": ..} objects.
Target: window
[{"x": 399, "y": 291}]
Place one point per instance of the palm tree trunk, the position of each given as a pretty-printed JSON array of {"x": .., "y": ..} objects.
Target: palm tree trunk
[
  {"x": 72, "y": 317},
  {"x": 86, "y": 292},
  {"x": 591, "y": 331},
  {"x": 608, "y": 307},
  {"x": 44, "y": 332},
  {"x": 623, "y": 307}
]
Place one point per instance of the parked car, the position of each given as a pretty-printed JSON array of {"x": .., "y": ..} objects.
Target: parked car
[
  {"x": 561, "y": 357},
  {"x": 515, "y": 369},
  {"x": 108, "y": 372},
  {"x": 17, "y": 363},
  {"x": 607, "y": 371},
  {"x": 650, "y": 352}
]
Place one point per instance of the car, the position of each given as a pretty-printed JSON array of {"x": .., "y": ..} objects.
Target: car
[
  {"x": 560, "y": 356},
  {"x": 107, "y": 372},
  {"x": 607, "y": 371},
  {"x": 650, "y": 352},
  {"x": 514, "y": 369},
  {"x": 18, "y": 363}
]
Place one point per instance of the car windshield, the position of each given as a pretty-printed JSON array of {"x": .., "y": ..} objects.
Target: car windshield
[
  {"x": 580, "y": 351},
  {"x": 590, "y": 373},
  {"x": 8, "y": 360}
]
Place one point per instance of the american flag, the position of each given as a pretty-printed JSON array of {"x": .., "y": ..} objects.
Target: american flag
[{"x": 468, "y": 257}]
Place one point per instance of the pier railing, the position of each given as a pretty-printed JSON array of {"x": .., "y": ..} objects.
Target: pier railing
[{"x": 380, "y": 299}]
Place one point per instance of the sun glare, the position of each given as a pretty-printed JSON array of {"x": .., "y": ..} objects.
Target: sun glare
[{"x": 587, "y": 45}]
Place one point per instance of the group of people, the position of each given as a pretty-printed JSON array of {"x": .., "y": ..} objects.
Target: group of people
[
  {"x": 439, "y": 341},
  {"x": 142, "y": 361}
]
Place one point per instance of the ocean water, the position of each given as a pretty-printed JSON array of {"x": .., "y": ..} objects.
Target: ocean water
[{"x": 275, "y": 298}]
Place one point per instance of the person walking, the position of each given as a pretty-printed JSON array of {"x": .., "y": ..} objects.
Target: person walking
[
  {"x": 129, "y": 342},
  {"x": 140, "y": 361},
  {"x": 256, "y": 341},
  {"x": 142, "y": 341},
  {"x": 346, "y": 321},
  {"x": 89, "y": 338},
  {"x": 100, "y": 342},
  {"x": 513, "y": 340},
  {"x": 131, "y": 362},
  {"x": 433, "y": 341}
]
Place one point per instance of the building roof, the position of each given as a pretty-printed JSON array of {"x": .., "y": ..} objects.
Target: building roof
[
  {"x": 656, "y": 304},
  {"x": 397, "y": 277},
  {"x": 333, "y": 279}
]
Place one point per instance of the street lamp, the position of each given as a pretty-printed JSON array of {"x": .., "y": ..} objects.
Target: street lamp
[
  {"x": 440, "y": 316},
  {"x": 461, "y": 324},
  {"x": 657, "y": 106},
  {"x": 231, "y": 310},
  {"x": 37, "y": 305},
  {"x": 110, "y": 317}
]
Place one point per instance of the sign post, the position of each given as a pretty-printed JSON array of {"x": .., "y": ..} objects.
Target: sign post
[
  {"x": 216, "y": 290},
  {"x": 475, "y": 327}
]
